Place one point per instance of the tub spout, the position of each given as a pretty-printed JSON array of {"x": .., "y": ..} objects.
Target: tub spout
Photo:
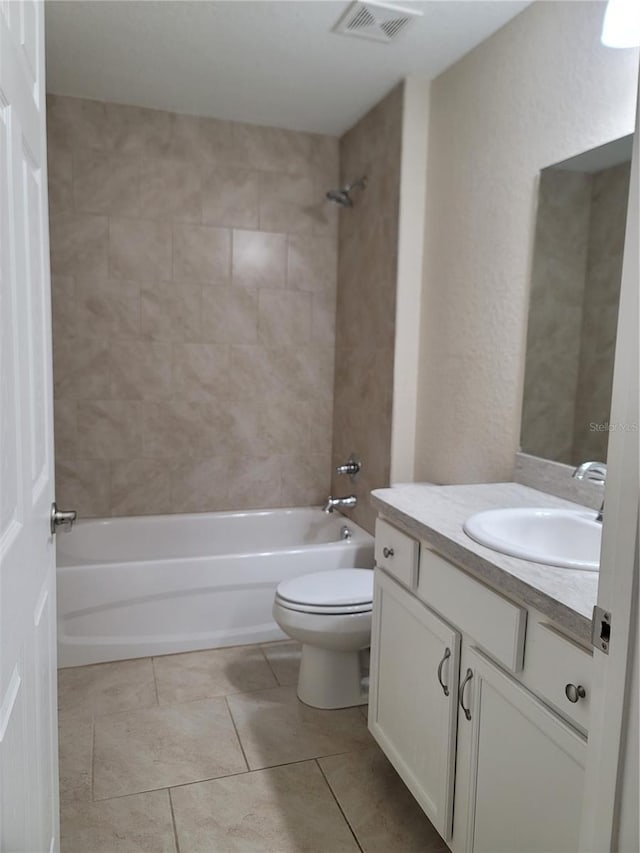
[{"x": 340, "y": 503}]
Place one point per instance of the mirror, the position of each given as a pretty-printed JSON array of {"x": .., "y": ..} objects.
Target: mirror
[{"x": 573, "y": 308}]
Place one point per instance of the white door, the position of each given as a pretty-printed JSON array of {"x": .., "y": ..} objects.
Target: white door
[
  {"x": 412, "y": 696},
  {"x": 519, "y": 770},
  {"x": 28, "y": 740}
]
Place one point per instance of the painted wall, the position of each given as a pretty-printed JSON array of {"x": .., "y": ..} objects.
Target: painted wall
[
  {"x": 194, "y": 279},
  {"x": 540, "y": 90},
  {"x": 366, "y": 306}
]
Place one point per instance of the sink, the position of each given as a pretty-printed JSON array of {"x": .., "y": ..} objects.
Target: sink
[{"x": 557, "y": 537}]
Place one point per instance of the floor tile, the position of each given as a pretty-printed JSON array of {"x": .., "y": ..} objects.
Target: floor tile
[
  {"x": 201, "y": 675},
  {"x": 285, "y": 660},
  {"x": 383, "y": 814},
  {"x": 75, "y": 755},
  {"x": 138, "y": 824},
  {"x": 280, "y": 810},
  {"x": 275, "y": 728},
  {"x": 104, "y": 688},
  {"x": 159, "y": 747}
]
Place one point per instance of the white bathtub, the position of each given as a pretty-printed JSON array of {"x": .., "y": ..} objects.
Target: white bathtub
[{"x": 132, "y": 587}]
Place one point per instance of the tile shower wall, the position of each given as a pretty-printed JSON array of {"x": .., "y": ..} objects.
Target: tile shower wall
[
  {"x": 365, "y": 319},
  {"x": 194, "y": 285}
]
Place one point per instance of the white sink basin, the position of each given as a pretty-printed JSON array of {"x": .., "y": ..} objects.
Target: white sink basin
[{"x": 558, "y": 537}]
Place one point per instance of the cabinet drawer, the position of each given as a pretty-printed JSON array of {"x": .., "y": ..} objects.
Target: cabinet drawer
[
  {"x": 396, "y": 553},
  {"x": 551, "y": 663},
  {"x": 496, "y": 624}
]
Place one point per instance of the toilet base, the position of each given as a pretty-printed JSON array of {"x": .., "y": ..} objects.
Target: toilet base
[{"x": 331, "y": 679}]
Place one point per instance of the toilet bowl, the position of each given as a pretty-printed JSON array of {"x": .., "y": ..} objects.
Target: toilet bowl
[{"x": 330, "y": 614}]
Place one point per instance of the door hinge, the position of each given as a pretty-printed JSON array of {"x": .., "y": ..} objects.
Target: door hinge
[{"x": 601, "y": 629}]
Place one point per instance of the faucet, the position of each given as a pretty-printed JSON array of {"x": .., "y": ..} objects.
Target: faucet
[
  {"x": 596, "y": 472},
  {"x": 340, "y": 503}
]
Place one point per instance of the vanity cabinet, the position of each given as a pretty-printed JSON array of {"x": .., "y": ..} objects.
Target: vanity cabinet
[
  {"x": 520, "y": 768},
  {"x": 413, "y": 696},
  {"x": 467, "y": 700}
]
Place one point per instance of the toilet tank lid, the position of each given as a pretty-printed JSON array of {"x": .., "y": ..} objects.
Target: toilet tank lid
[{"x": 342, "y": 586}]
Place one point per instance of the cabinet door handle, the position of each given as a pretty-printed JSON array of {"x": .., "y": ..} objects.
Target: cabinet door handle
[
  {"x": 574, "y": 693},
  {"x": 387, "y": 552},
  {"x": 447, "y": 655},
  {"x": 467, "y": 678}
]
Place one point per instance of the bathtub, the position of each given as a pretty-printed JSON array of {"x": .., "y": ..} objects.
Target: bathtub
[{"x": 154, "y": 585}]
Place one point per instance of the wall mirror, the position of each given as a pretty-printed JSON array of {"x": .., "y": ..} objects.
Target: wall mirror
[{"x": 573, "y": 308}]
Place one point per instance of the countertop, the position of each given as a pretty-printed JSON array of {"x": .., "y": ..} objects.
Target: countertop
[{"x": 435, "y": 514}]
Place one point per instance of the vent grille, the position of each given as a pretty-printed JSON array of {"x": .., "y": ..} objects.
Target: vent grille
[{"x": 375, "y": 21}]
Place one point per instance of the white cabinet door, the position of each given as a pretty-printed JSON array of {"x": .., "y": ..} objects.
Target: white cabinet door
[
  {"x": 412, "y": 697},
  {"x": 520, "y": 768},
  {"x": 28, "y": 730}
]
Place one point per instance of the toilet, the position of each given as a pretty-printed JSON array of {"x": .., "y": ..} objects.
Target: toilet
[{"x": 330, "y": 614}]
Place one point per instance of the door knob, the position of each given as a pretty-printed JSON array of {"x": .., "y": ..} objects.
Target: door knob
[{"x": 62, "y": 518}]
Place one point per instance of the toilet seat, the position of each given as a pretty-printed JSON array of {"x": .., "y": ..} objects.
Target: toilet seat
[{"x": 336, "y": 592}]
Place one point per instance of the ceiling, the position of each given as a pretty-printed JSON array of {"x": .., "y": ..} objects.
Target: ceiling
[{"x": 267, "y": 62}]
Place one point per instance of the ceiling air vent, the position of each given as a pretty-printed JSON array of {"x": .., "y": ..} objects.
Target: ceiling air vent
[{"x": 374, "y": 21}]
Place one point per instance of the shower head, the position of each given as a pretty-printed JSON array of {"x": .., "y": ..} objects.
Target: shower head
[{"x": 342, "y": 196}]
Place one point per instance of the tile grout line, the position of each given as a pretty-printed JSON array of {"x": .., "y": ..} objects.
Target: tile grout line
[
  {"x": 337, "y": 802},
  {"x": 93, "y": 757},
  {"x": 235, "y": 728},
  {"x": 173, "y": 821},
  {"x": 155, "y": 680},
  {"x": 273, "y": 672}
]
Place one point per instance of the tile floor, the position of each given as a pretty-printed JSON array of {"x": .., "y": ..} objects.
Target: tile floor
[{"x": 211, "y": 752}]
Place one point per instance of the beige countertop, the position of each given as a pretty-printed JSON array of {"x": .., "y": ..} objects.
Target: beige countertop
[{"x": 436, "y": 514}]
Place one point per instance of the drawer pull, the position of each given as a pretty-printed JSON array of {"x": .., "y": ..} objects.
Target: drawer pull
[
  {"x": 447, "y": 655},
  {"x": 387, "y": 552},
  {"x": 467, "y": 678},
  {"x": 574, "y": 692}
]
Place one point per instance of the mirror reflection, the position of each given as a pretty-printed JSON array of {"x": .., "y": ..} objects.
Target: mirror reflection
[{"x": 573, "y": 309}]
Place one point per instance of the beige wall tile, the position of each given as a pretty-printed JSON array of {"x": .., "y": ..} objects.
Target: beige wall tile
[
  {"x": 84, "y": 485},
  {"x": 170, "y": 311},
  {"x": 259, "y": 260},
  {"x": 170, "y": 189},
  {"x": 229, "y": 315},
  {"x": 63, "y": 306},
  {"x": 230, "y": 198},
  {"x": 140, "y": 370},
  {"x": 175, "y": 430},
  {"x": 65, "y": 419},
  {"x": 312, "y": 263},
  {"x": 109, "y": 429},
  {"x": 139, "y": 249},
  {"x": 76, "y": 123},
  {"x": 254, "y": 482},
  {"x": 284, "y": 317},
  {"x": 201, "y": 139},
  {"x": 140, "y": 487},
  {"x": 200, "y": 485},
  {"x": 107, "y": 308},
  {"x": 79, "y": 244},
  {"x": 200, "y": 371},
  {"x": 105, "y": 183},
  {"x": 136, "y": 130},
  {"x": 201, "y": 254},
  {"x": 81, "y": 369},
  {"x": 290, "y": 203},
  {"x": 306, "y": 479},
  {"x": 155, "y": 339},
  {"x": 60, "y": 176}
]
